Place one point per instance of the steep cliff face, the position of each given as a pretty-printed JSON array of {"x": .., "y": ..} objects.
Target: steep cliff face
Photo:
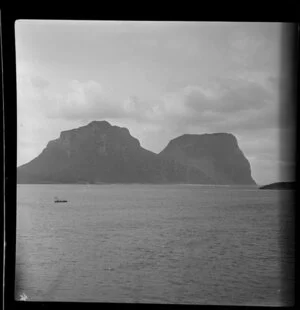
[
  {"x": 217, "y": 155},
  {"x": 100, "y": 152},
  {"x": 97, "y": 152}
]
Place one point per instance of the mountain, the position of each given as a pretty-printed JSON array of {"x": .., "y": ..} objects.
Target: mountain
[
  {"x": 280, "y": 185},
  {"x": 217, "y": 155},
  {"x": 102, "y": 153}
]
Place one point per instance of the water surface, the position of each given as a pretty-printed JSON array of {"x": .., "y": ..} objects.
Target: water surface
[{"x": 185, "y": 244}]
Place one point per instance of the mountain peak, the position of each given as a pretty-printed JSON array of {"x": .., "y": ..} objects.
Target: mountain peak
[
  {"x": 222, "y": 135},
  {"x": 99, "y": 124},
  {"x": 217, "y": 155},
  {"x": 226, "y": 139}
]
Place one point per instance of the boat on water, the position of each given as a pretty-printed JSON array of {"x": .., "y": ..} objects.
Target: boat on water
[{"x": 56, "y": 200}]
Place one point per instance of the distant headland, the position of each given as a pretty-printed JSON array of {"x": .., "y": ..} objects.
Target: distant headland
[{"x": 280, "y": 185}]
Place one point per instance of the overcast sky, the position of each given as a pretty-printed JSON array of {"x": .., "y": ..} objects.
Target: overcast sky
[{"x": 158, "y": 79}]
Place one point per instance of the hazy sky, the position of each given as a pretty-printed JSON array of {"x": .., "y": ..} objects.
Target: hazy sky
[{"x": 158, "y": 79}]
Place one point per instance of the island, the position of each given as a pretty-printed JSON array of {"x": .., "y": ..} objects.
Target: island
[
  {"x": 100, "y": 153},
  {"x": 280, "y": 186}
]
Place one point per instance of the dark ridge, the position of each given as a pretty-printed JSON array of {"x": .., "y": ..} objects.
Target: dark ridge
[{"x": 280, "y": 185}]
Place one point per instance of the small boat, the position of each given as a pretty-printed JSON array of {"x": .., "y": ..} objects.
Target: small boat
[{"x": 56, "y": 200}]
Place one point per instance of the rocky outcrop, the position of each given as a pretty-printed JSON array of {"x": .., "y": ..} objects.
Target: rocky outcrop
[{"x": 217, "y": 155}]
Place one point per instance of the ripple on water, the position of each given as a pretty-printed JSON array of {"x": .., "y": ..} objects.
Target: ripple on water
[{"x": 157, "y": 244}]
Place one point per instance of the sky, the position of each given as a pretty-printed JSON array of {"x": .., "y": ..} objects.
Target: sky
[{"x": 158, "y": 79}]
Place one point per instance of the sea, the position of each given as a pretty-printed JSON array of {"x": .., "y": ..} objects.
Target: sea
[{"x": 158, "y": 244}]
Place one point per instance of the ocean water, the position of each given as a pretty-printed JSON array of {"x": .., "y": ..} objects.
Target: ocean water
[{"x": 179, "y": 244}]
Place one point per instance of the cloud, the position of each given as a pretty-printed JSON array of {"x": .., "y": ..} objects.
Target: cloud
[
  {"x": 262, "y": 146},
  {"x": 85, "y": 101},
  {"x": 39, "y": 82},
  {"x": 135, "y": 107},
  {"x": 227, "y": 105},
  {"x": 79, "y": 101},
  {"x": 233, "y": 104},
  {"x": 227, "y": 97},
  {"x": 254, "y": 47},
  {"x": 245, "y": 43}
]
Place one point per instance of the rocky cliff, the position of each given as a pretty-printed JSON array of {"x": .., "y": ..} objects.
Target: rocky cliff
[
  {"x": 102, "y": 153},
  {"x": 217, "y": 155}
]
